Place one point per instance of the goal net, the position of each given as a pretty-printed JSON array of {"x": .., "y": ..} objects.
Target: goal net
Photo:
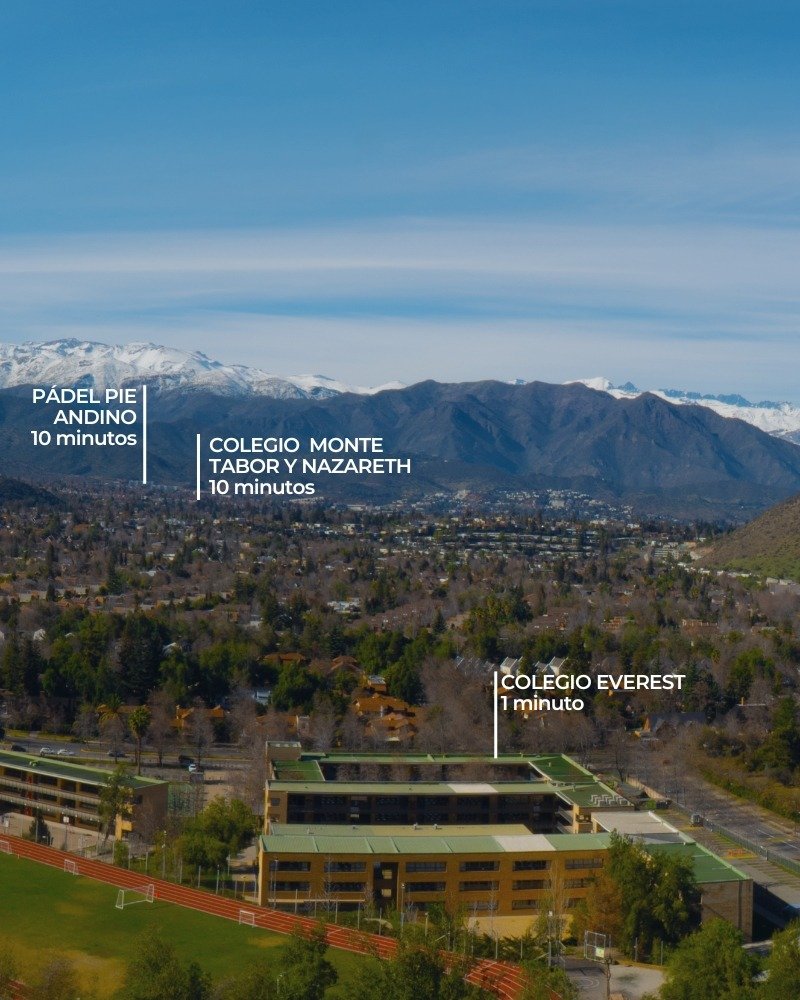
[
  {"x": 247, "y": 917},
  {"x": 70, "y": 866},
  {"x": 5, "y": 847},
  {"x": 127, "y": 897}
]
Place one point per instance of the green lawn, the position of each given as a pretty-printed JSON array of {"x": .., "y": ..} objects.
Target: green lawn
[{"x": 46, "y": 911}]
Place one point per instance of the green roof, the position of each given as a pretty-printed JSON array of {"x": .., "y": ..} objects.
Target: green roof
[
  {"x": 57, "y": 768},
  {"x": 579, "y": 841},
  {"x": 557, "y": 767},
  {"x": 390, "y": 788},
  {"x": 296, "y": 838},
  {"x": 554, "y": 767},
  {"x": 708, "y": 867}
]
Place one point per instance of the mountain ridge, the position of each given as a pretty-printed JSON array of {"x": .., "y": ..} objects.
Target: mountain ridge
[{"x": 479, "y": 436}]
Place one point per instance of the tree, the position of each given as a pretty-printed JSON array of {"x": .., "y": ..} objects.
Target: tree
[
  {"x": 112, "y": 722},
  {"x": 8, "y": 972},
  {"x": 57, "y": 981},
  {"x": 38, "y": 831},
  {"x": 156, "y": 973},
  {"x": 161, "y": 731},
  {"x": 601, "y": 909},
  {"x": 258, "y": 982},
  {"x": 140, "y": 653},
  {"x": 306, "y": 973},
  {"x": 658, "y": 893},
  {"x": 220, "y": 830},
  {"x": 783, "y": 966},
  {"x": 711, "y": 964},
  {"x": 543, "y": 984},
  {"x": 139, "y": 723},
  {"x": 417, "y": 972},
  {"x": 403, "y": 681},
  {"x": 116, "y": 798},
  {"x": 200, "y": 731}
]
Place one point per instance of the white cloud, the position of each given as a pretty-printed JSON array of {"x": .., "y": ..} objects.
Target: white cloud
[{"x": 412, "y": 299}]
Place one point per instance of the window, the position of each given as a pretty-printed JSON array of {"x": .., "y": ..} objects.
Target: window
[
  {"x": 425, "y": 866},
  {"x": 572, "y": 863},
  {"x": 479, "y": 866},
  {"x": 478, "y": 886},
  {"x": 529, "y": 865},
  {"x": 425, "y": 887},
  {"x": 294, "y": 866},
  {"x": 345, "y": 866},
  {"x": 525, "y": 904},
  {"x": 348, "y": 886},
  {"x": 283, "y": 886},
  {"x": 529, "y": 883},
  {"x": 577, "y": 883}
]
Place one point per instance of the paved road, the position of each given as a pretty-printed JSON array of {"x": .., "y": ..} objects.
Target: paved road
[
  {"x": 504, "y": 979},
  {"x": 696, "y": 795}
]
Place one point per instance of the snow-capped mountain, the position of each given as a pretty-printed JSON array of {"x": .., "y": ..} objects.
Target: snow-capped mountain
[
  {"x": 778, "y": 419},
  {"x": 87, "y": 363}
]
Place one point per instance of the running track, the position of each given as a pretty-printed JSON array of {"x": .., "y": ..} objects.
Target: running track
[{"x": 504, "y": 979}]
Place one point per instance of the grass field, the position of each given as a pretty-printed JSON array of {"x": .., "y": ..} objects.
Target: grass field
[{"x": 46, "y": 911}]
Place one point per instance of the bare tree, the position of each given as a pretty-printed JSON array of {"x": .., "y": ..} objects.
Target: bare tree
[
  {"x": 199, "y": 731},
  {"x": 161, "y": 732}
]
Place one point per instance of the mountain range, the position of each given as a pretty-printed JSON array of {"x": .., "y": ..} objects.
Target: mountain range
[
  {"x": 658, "y": 455},
  {"x": 87, "y": 363}
]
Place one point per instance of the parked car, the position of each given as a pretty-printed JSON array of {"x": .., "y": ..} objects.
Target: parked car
[
  {"x": 19, "y": 748},
  {"x": 116, "y": 754},
  {"x": 46, "y": 752},
  {"x": 65, "y": 752},
  {"x": 195, "y": 768},
  {"x": 184, "y": 760}
]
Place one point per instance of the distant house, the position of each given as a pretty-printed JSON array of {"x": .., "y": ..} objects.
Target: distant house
[
  {"x": 510, "y": 666},
  {"x": 348, "y": 607},
  {"x": 660, "y": 723}
]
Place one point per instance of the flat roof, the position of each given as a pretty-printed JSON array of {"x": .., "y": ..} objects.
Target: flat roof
[
  {"x": 297, "y": 838},
  {"x": 557, "y": 768},
  {"x": 511, "y": 838},
  {"x": 645, "y": 826},
  {"x": 405, "y": 788},
  {"x": 549, "y": 773},
  {"x": 708, "y": 867},
  {"x": 58, "y": 768}
]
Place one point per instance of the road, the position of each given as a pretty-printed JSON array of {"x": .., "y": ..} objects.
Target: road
[{"x": 660, "y": 770}]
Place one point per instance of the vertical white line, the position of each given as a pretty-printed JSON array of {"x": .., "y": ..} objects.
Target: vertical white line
[
  {"x": 144, "y": 435},
  {"x": 495, "y": 714},
  {"x": 198, "y": 466}
]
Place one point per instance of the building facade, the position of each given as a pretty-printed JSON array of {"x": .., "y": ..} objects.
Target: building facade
[{"x": 69, "y": 793}]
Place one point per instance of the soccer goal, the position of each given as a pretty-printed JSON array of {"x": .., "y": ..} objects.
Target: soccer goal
[
  {"x": 70, "y": 866},
  {"x": 5, "y": 847},
  {"x": 127, "y": 897},
  {"x": 247, "y": 917}
]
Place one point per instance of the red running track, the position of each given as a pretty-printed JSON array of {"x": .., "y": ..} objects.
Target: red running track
[{"x": 504, "y": 979}]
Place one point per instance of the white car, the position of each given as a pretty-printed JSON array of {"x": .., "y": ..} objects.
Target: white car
[
  {"x": 46, "y": 752},
  {"x": 65, "y": 752}
]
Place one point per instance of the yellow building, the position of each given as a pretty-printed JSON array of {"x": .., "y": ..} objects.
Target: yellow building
[
  {"x": 527, "y": 841},
  {"x": 66, "y": 792}
]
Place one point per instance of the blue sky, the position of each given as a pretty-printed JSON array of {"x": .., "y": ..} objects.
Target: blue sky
[{"x": 452, "y": 189}]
